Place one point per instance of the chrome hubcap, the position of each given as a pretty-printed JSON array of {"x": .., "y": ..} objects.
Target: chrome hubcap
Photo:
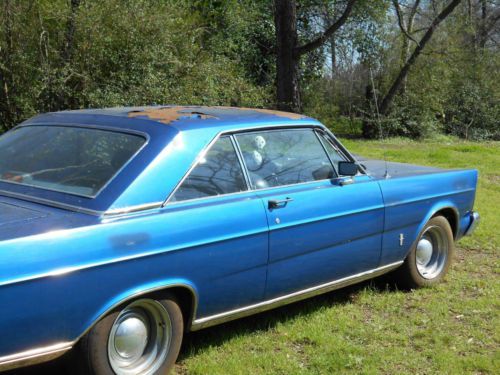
[
  {"x": 431, "y": 252},
  {"x": 424, "y": 251},
  {"x": 131, "y": 337},
  {"x": 139, "y": 339}
]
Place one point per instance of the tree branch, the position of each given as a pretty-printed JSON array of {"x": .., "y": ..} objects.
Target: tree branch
[
  {"x": 308, "y": 47},
  {"x": 386, "y": 102},
  {"x": 492, "y": 20},
  {"x": 401, "y": 20}
]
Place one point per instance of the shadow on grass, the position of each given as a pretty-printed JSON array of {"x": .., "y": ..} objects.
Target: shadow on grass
[{"x": 196, "y": 342}]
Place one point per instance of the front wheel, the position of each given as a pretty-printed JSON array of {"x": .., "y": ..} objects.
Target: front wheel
[
  {"x": 142, "y": 338},
  {"x": 430, "y": 257}
]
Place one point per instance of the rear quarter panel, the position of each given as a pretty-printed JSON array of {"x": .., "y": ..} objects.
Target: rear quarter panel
[
  {"x": 54, "y": 286},
  {"x": 411, "y": 201}
]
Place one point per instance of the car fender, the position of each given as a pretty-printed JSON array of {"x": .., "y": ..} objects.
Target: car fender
[
  {"x": 435, "y": 208},
  {"x": 139, "y": 291}
]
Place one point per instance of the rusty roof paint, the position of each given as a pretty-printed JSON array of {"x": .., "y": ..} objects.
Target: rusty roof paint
[
  {"x": 166, "y": 115},
  {"x": 169, "y": 114},
  {"x": 290, "y": 115}
]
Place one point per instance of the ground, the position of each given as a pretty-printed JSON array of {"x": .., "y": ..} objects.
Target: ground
[{"x": 373, "y": 328}]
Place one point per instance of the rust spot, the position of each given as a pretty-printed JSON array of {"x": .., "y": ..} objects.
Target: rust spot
[
  {"x": 166, "y": 115},
  {"x": 289, "y": 115}
]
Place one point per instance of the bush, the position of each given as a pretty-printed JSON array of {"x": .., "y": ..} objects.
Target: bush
[{"x": 472, "y": 112}]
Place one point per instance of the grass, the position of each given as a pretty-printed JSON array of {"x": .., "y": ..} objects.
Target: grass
[{"x": 369, "y": 328}]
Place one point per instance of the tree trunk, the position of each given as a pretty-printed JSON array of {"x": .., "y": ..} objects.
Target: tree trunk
[
  {"x": 483, "y": 32},
  {"x": 287, "y": 61},
  {"x": 67, "y": 50},
  {"x": 289, "y": 52},
  {"x": 406, "y": 27},
  {"x": 7, "y": 110},
  {"x": 61, "y": 100}
]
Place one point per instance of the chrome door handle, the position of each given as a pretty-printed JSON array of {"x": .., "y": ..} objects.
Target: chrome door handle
[
  {"x": 275, "y": 203},
  {"x": 346, "y": 181}
]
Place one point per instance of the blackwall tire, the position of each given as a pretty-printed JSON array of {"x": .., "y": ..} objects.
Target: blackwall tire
[
  {"x": 141, "y": 338},
  {"x": 430, "y": 257}
]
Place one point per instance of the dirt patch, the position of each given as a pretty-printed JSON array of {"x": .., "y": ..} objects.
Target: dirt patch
[{"x": 166, "y": 115}]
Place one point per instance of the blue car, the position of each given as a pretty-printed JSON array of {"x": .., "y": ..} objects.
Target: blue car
[{"x": 121, "y": 229}]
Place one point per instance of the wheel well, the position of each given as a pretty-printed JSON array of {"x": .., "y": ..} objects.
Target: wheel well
[
  {"x": 185, "y": 299},
  {"x": 451, "y": 215}
]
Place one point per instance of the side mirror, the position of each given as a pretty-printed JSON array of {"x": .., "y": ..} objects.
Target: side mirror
[{"x": 347, "y": 168}]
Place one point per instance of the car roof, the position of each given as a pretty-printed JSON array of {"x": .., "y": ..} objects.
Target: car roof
[
  {"x": 175, "y": 137},
  {"x": 180, "y": 117}
]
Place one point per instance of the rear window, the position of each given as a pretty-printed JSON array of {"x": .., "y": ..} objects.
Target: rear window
[{"x": 72, "y": 160}]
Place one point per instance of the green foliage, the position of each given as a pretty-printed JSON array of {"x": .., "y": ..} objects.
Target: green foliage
[
  {"x": 473, "y": 113},
  {"x": 129, "y": 53},
  {"x": 412, "y": 117},
  {"x": 217, "y": 52}
]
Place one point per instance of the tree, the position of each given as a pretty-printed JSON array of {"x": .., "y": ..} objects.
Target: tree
[
  {"x": 397, "y": 85},
  {"x": 405, "y": 23},
  {"x": 289, "y": 52},
  {"x": 7, "y": 110},
  {"x": 403, "y": 73}
]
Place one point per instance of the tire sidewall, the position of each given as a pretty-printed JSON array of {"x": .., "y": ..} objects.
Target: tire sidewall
[
  {"x": 94, "y": 346},
  {"x": 411, "y": 262}
]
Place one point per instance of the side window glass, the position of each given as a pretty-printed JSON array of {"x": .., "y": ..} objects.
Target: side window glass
[
  {"x": 218, "y": 172},
  {"x": 284, "y": 157},
  {"x": 334, "y": 155}
]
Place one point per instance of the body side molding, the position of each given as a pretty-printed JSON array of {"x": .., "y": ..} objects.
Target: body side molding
[
  {"x": 34, "y": 356},
  {"x": 290, "y": 298}
]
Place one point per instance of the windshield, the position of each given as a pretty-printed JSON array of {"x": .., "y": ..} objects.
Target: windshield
[{"x": 72, "y": 160}]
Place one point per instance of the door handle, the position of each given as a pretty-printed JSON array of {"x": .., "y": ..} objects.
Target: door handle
[
  {"x": 345, "y": 181},
  {"x": 278, "y": 203}
]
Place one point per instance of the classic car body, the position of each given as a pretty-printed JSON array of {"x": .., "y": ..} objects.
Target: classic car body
[{"x": 67, "y": 260}]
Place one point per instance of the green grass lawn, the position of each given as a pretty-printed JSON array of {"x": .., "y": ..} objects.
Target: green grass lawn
[{"x": 370, "y": 328}]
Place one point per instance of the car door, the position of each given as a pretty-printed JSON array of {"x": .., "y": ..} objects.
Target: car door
[
  {"x": 219, "y": 227},
  {"x": 322, "y": 227}
]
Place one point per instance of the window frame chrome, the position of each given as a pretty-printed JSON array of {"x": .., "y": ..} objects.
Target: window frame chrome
[
  {"x": 328, "y": 135},
  {"x": 195, "y": 164},
  {"x": 143, "y": 135},
  {"x": 292, "y": 129}
]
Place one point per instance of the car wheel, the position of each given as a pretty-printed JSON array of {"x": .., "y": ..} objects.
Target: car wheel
[
  {"x": 430, "y": 257},
  {"x": 143, "y": 337}
]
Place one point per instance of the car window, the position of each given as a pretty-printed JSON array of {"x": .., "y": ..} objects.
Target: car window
[
  {"x": 334, "y": 155},
  {"x": 67, "y": 159},
  {"x": 284, "y": 157},
  {"x": 218, "y": 172}
]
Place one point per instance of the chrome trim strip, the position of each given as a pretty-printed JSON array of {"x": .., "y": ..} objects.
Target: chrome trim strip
[
  {"x": 322, "y": 143},
  {"x": 243, "y": 167},
  {"x": 34, "y": 356},
  {"x": 68, "y": 270},
  {"x": 230, "y": 133},
  {"x": 200, "y": 155},
  {"x": 30, "y": 198},
  {"x": 250, "y": 130},
  {"x": 475, "y": 219},
  {"x": 145, "y": 136},
  {"x": 290, "y": 298},
  {"x": 44, "y": 354},
  {"x": 130, "y": 209}
]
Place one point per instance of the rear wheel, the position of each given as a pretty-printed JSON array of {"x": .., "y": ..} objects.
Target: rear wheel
[
  {"x": 431, "y": 256},
  {"x": 142, "y": 338}
]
